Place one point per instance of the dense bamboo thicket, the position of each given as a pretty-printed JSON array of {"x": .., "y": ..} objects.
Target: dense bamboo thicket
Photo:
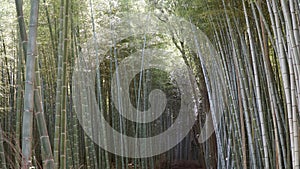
[{"x": 229, "y": 70}]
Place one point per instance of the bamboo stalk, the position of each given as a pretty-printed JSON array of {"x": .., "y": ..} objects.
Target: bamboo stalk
[
  {"x": 29, "y": 87},
  {"x": 47, "y": 156},
  {"x": 59, "y": 85},
  {"x": 258, "y": 94}
]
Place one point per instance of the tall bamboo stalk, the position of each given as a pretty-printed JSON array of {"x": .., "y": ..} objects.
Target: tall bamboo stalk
[
  {"x": 47, "y": 156},
  {"x": 257, "y": 87},
  {"x": 27, "y": 126},
  {"x": 63, "y": 122},
  {"x": 74, "y": 54},
  {"x": 58, "y": 96},
  {"x": 271, "y": 92},
  {"x": 98, "y": 84},
  {"x": 19, "y": 87}
]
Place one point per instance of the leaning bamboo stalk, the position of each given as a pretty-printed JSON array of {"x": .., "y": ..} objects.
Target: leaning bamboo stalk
[
  {"x": 271, "y": 92},
  {"x": 244, "y": 108},
  {"x": 294, "y": 116},
  {"x": 274, "y": 94},
  {"x": 227, "y": 63},
  {"x": 207, "y": 82},
  {"x": 233, "y": 108},
  {"x": 295, "y": 84},
  {"x": 48, "y": 162},
  {"x": 294, "y": 33},
  {"x": 241, "y": 92},
  {"x": 266, "y": 26},
  {"x": 257, "y": 90},
  {"x": 284, "y": 74}
]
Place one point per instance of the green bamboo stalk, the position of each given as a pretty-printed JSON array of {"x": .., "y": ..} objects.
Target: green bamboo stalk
[
  {"x": 50, "y": 30},
  {"x": 209, "y": 91},
  {"x": 59, "y": 86},
  {"x": 47, "y": 96},
  {"x": 241, "y": 93},
  {"x": 27, "y": 126},
  {"x": 72, "y": 151},
  {"x": 274, "y": 94},
  {"x": 294, "y": 65},
  {"x": 50, "y": 60},
  {"x": 284, "y": 73},
  {"x": 69, "y": 160},
  {"x": 257, "y": 90},
  {"x": 296, "y": 86},
  {"x": 39, "y": 114},
  {"x": 70, "y": 115},
  {"x": 74, "y": 118},
  {"x": 19, "y": 9},
  {"x": 234, "y": 109},
  {"x": 10, "y": 96},
  {"x": 70, "y": 130},
  {"x": 63, "y": 122},
  {"x": 19, "y": 87},
  {"x": 271, "y": 92},
  {"x": 47, "y": 156}
]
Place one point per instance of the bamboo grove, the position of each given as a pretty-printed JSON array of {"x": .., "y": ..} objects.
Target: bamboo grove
[{"x": 248, "y": 91}]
